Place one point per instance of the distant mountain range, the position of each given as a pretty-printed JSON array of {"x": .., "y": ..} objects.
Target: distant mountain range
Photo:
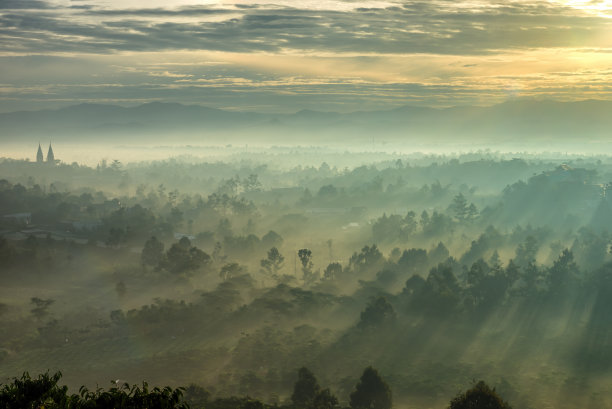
[{"x": 521, "y": 119}]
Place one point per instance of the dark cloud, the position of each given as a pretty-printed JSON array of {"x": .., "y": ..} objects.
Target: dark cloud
[
  {"x": 24, "y": 4},
  {"x": 416, "y": 27},
  {"x": 183, "y": 11}
]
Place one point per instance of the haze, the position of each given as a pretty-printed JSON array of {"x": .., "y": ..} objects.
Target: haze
[{"x": 292, "y": 204}]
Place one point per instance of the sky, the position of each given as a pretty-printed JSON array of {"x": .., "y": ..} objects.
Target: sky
[{"x": 288, "y": 55}]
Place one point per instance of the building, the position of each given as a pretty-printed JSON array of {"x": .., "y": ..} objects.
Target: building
[
  {"x": 39, "y": 155},
  {"x": 50, "y": 156}
]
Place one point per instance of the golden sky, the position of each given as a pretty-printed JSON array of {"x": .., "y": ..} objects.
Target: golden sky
[{"x": 287, "y": 55}]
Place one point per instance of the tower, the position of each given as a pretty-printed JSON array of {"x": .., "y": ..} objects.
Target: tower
[
  {"x": 39, "y": 155},
  {"x": 50, "y": 156}
]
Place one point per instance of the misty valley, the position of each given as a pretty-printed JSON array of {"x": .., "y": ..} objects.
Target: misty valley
[{"x": 293, "y": 275}]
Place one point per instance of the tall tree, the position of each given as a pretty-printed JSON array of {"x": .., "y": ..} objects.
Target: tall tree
[
  {"x": 274, "y": 262},
  {"x": 371, "y": 392},
  {"x": 305, "y": 256},
  {"x": 460, "y": 207},
  {"x": 305, "y": 389}
]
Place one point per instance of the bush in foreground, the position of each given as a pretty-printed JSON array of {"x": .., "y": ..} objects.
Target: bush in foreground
[{"x": 44, "y": 392}]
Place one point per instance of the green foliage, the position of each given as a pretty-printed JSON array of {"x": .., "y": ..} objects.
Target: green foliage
[
  {"x": 231, "y": 270},
  {"x": 371, "y": 392},
  {"x": 28, "y": 393},
  {"x": 274, "y": 262},
  {"x": 305, "y": 256},
  {"x": 563, "y": 270},
  {"x": 307, "y": 394},
  {"x": 332, "y": 271},
  {"x": 481, "y": 396},
  {"x": 305, "y": 389},
  {"x": 196, "y": 396},
  {"x": 325, "y": 400},
  {"x": 377, "y": 312},
  {"x": 44, "y": 392},
  {"x": 182, "y": 257},
  {"x": 526, "y": 252},
  {"x": 368, "y": 259},
  {"x": 460, "y": 207}
]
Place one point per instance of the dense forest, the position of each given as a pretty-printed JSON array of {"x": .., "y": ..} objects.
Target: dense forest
[{"x": 228, "y": 275}]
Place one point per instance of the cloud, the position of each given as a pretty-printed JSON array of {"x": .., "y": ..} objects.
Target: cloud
[
  {"x": 343, "y": 55},
  {"x": 415, "y": 27},
  {"x": 25, "y": 4}
]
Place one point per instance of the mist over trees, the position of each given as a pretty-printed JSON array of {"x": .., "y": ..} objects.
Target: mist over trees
[{"x": 253, "y": 283}]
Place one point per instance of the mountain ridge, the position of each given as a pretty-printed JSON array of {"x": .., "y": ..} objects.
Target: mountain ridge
[{"x": 518, "y": 118}]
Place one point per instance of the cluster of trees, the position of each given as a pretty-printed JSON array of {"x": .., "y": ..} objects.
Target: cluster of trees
[
  {"x": 44, "y": 392},
  {"x": 463, "y": 264},
  {"x": 371, "y": 392},
  {"x": 180, "y": 258}
]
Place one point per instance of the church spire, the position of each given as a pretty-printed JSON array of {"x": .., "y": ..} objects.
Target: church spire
[
  {"x": 50, "y": 156},
  {"x": 39, "y": 155}
]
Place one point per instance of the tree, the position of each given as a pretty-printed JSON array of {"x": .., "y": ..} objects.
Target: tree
[
  {"x": 424, "y": 222},
  {"x": 472, "y": 211},
  {"x": 196, "y": 396},
  {"x": 307, "y": 394},
  {"x": 562, "y": 270},
  {"x": 332, "y": 271},
  {"x": 272, "y": 239},
  {"x": 152, "y": 252},
  {"x": 224, "y": 229},
  {"x": 305, "y": 389},
  {"x": 481, "y": 396},
  {"x": 371, "y": 392},
  {"x": 230, "y": 270},
  {"x": 526, "y": 252},
  {"x": 44, "y": 392},
  {"x": 377, "y": 312},
  {"x": 370, "y": 258},
  {"x": 325, "y": 400},
  {"x": 305, "y": 256},
  {"x": 252, "y": 183},
  {"x": 460, "y": 207},
  {"x": 274, "y": 262},
  {"x": 181, "y": 257}
]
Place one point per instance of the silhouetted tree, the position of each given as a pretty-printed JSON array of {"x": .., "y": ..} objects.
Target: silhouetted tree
[
  {"x": 370, "y": 258},
  {"x": 332, "y": 271},
  {"x": 196, "y": 396},
  {"x": 325, "y": 400},
  {"x": 371, "y": 392},
  {"x": 481, "y": 396},
  {"x": 526, "y": 251},
  {"x": 460, "y": 207},
  {"x": 152, "y": 252},
  {"x": 182, "y": 257},
  {"x": 305, "y": 256},
  {"x": 562, "y": 270},
  {"x": 230, "y": 270},
  {"x": 273, "y": 262},
  {"x": 377, "y": 312},
  {"x": 44, "y": 392},
  {"x": 305, "y": 389}
]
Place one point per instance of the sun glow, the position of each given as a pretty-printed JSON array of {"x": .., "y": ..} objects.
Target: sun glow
[{"x": 602, "y": 8}]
